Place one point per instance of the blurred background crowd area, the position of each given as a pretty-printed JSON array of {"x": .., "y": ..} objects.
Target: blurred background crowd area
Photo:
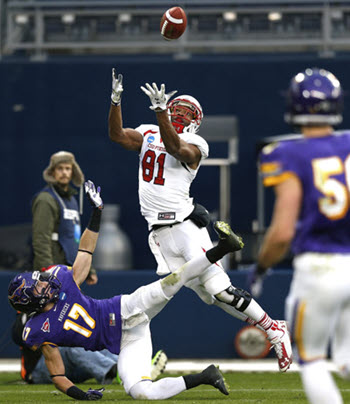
[{"x": 236, "y": 58}]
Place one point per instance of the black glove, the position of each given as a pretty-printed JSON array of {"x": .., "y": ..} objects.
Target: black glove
[{"x": 90, "y": 395}]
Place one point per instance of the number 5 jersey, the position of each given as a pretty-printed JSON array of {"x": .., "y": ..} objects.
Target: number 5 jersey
[
  {"x": 76, "y": 320},
  {"x": 322, "y": 165}
]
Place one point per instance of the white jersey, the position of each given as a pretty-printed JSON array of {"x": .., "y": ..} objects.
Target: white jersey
[{"x": 164, "y": 181}]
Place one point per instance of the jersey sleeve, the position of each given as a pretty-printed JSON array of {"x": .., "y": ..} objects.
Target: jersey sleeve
[
  {"x": 65, "y": 276},
  {"x": 144, "y": 128},
  {"x": 62, "y": 272},
  {"x": 34, "y": 337},
  {"x": 277, "y": 163},
  {"x": 197, "y": 141}
]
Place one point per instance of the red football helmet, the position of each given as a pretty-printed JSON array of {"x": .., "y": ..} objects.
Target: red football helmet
[{"x": 189, "y": 117}]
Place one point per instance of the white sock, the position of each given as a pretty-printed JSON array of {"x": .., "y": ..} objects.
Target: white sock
[
  {"x": 172, "y": 283},
  {"x": 319, "y": 385},
  {"x": 255, "y": 312}
]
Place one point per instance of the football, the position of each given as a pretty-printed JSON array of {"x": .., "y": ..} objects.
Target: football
[{"x": 173, "y": 23}]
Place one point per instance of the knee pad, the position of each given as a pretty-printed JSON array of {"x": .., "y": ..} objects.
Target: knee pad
[{"x": 236, "y": 297}]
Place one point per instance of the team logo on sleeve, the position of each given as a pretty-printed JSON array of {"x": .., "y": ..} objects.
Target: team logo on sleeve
[{"x": 46, "y": 326}]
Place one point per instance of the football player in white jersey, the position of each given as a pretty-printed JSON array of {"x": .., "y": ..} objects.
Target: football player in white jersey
[{"x": 170, "y": 156}]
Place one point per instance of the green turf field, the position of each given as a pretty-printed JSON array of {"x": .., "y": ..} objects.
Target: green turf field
[{"x": 260, "y": 388}]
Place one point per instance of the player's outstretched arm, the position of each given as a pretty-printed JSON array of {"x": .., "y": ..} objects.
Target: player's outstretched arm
[
  {"x": 178, "y": 148},
  {"x": 129, "y": 138},
  {"x": 55, "y": 366},
  {"x": 87, "y": 245}
]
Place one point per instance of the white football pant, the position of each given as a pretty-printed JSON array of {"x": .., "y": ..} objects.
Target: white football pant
[{"x": 318, "y": 312}]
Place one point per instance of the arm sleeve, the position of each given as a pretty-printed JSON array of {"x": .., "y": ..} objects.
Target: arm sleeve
[{"x": 45, "y": 214}]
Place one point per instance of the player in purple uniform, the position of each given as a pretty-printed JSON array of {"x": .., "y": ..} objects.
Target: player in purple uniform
[
  {"x": 64, "y": 316},
  {"x": 311, "y": 177}
]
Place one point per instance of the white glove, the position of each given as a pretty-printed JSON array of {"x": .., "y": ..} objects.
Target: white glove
[
  {"x": 159, "y": 99},
  {"x": 93, "y": 194},
  {"x": 117, "y": 88}
]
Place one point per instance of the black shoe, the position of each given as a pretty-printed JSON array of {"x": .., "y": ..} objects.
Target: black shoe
[
  {"x": 214, "y": 378},
  {"x": 228, "y": 237},
  {"x": 111, "y": 374}
]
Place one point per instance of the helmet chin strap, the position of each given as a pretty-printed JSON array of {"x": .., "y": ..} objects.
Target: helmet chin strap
[{"x": 179, "y": 127}]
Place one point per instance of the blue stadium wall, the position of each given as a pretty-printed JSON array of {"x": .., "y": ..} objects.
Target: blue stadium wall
[{"x": 63, "y": 104}]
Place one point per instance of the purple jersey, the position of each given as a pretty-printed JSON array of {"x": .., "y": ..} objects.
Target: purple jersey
[
  {"x": 323, "y": 167},
  {"x": 76, "y": 319}
]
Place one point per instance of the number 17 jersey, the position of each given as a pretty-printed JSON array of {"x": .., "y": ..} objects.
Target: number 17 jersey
[
  {"x": 76, "y": 320},
  {"x": 164, "y": 181}
]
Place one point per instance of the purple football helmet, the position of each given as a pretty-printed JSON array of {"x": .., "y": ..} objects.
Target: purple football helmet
[
  {"x": 314, "y": 97},
  {"x": 24, "y": 296}
]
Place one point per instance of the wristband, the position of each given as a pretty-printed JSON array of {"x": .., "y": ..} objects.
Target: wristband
[
  {"x": 86, "y": 251},
  {"x": 76, "y": 393},
  {"x": 52, "y": 376},
  {"x": 95, "y": 220}
]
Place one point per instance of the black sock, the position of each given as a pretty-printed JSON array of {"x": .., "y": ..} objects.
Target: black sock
[
  {"x": 210, "y": 376},
  {"x": 216, "y": 253},
  {"x": 193, "y": 380},
  {"x": 112, "y": 373}
]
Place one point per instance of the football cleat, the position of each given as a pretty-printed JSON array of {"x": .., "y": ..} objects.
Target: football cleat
[
  {"x": 159, "y": 362},
  {"x": 227, "y": 236},
  {"x": 111, "y": 375},
  {"x": 213, "y": 377},
  {"x": 118, "y": 379},
  {"x": 282, "y": 345}
]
